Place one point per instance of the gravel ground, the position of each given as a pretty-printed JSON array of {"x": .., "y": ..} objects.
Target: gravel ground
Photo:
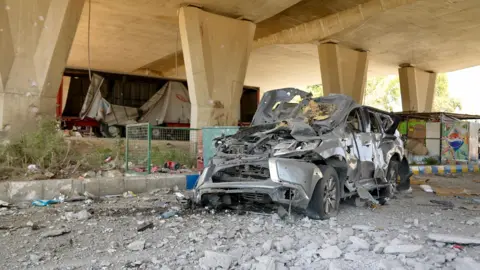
[{"x": 103, "y": 235}]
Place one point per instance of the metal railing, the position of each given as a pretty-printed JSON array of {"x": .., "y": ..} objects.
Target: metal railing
[{"x": 150, "y": 149}]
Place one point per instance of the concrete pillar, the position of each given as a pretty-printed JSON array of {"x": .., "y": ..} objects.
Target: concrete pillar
[
  {"x": 216, "y": 51},
  {"x": 344, "y": 71},
  {"x": 417, "y": 89},
  {"x": 35, "y": 41}
]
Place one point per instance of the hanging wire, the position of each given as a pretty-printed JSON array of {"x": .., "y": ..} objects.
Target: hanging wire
[{"x": 88, "y": 38}]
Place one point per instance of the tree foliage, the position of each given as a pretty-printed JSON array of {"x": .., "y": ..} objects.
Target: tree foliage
[{"x": 383, "y": 92}]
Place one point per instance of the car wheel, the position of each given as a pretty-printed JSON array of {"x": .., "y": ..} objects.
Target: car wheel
[
  {"x": 325, "y": 199},
  {"x": 392, "y": 181}
]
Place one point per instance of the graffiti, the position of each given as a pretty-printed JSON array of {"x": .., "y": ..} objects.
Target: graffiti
[{"x": 455, "y": 141}]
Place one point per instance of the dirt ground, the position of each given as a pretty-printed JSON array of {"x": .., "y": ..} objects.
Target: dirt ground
[{"x": 105, "y": 236}]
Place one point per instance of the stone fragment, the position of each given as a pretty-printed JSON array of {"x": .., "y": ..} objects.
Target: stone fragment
[
  {"x": 402, "y": 249},
  {"x": 136, "y": 245},
  {"x": 359, "y": 243},
  {"x": 54, "y": 233},
  {"x": 213, "y": 259},
  {"x": 364, "y": 228},
  {"x": 456, "y": 239},
  {"x": 331, "y": 252}
]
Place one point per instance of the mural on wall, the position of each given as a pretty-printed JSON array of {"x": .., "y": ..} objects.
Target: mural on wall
[{"x": 455, "y": 141}]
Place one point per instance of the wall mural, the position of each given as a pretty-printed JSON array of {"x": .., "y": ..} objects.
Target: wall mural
[{"x": 455, "y": 141}]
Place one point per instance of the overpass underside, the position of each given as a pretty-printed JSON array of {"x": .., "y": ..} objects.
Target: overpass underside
[{"x": 217, "y": 50}]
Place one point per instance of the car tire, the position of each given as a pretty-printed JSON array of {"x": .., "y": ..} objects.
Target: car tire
[
  {"x": 392, "y": 181},
  {"x": 325, "y": 200}
]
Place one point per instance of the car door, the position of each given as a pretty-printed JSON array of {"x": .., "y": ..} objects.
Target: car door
[
  {"x": 375, "y": 134},
  {"x": 361, "y": 145}
]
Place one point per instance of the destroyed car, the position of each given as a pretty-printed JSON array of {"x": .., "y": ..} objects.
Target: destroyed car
[{"x": 309, "y": 154}]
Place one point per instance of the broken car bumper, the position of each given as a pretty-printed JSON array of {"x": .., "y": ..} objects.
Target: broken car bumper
[{"x": 291, "y": 181}]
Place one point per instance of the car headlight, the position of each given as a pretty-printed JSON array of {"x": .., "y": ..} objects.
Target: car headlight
[{"x": 285, "y": 148}]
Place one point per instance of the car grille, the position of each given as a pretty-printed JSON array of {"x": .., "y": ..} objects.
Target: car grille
[
  {"x": 241, "y": 173},
  {"x": 256, "y": 197}
]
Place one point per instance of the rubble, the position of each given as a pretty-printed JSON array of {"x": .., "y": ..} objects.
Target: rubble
[
  {"x": 457, "y": 239},
  {"x": 136, "y": 245},
  {"x": 397, "y": 249},
  {"x": 54, "y": 233},
  {"x": 331, "y": 252},
  {"x": 213, "y": 259}
]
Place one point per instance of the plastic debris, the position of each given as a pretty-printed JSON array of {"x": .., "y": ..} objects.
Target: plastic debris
[
  {"x": 108, "y": 159},
  {"x": 427, "y": 188},
  {"x": 129, "y": 194},
  {"x": 145, "y": 226},
  {"x": 33, "y": 168},
  {"x": 169, "y": 214},
  {"x": 44, "y": 202}
]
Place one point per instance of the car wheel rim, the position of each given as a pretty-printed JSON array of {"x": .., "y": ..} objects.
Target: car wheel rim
[{"x": 330, "y": 196}]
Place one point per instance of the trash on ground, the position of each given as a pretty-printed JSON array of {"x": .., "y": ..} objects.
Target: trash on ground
[
  {"x": 44, "y": 202},
  {"x": 169, "y": 214},
  {"x": 426, "y": 188},
  {"x": 143, "y": 227},
  {"x": 470, "y": 207},
  {"x": 475, "y": 200},
  {"x": 33, "y": 168},
  {"x": 452, "y": 191},
  {"x": 129, "y": 194},
  {"x": 444, "y": 203}
]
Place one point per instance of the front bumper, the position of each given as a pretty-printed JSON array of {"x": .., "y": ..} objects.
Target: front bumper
[{"x": 291, "y": 181}]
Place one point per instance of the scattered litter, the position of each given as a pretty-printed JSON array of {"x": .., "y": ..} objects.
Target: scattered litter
[
  {"x": 44, "y": 202},
  {"x": 427, "y": 188},
  {"x": 444, "y": 203},
  {"x": 33, "y": 168},
  {"x": 455, "y": 239},
  {"x": 169, "y": 214},
  {"x": 108, "y": 159},
  {"x": 4, "y": 204},
  {"x": 137, "y": 245},
  {"x": 54, "y": 233},
  {"x": 143, "y": 227},
  {"x": 75, "y": 199},
  {"x": 365, "y": 194},
  {"x": 459, "y": 247},
  {"x": 129, "y": 194}
]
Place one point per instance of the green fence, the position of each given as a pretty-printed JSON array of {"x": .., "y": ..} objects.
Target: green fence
[{"x": 149, "y": 147}]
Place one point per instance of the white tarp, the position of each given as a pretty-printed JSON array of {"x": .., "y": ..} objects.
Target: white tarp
[{"x": 171, "y": 104}]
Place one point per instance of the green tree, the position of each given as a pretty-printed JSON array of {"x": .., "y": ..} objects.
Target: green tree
[
  {"x": 383, "y": 92},
  {"x": 442, "y": 101}
]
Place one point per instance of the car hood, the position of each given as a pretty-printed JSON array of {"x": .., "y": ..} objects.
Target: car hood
[{"x": 278, "y": 105}]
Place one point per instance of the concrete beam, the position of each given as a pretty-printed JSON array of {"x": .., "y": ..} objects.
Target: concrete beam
[
  {"x": 216, "y": 51},
  {"x": 35, "y": 42},
  {"x": 343, "y": 70},
  {"x": 325, "y": 27},
  {"x": 417, "y": 89},
  {"x": 310, "y": 32}
]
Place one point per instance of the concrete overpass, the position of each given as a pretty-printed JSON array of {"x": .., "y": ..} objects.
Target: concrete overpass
[{"x": 219, "y": 45}]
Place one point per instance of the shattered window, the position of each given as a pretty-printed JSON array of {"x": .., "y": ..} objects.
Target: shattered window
[
  {"x": 354, "y": 120},
  {"x": 374, "y": 126},
  {"x": 318, "y": 111}
]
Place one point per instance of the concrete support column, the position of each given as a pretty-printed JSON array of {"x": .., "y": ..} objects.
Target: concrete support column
[
  {"x": 417, "y": 89},
  {"x": 35, "y": 41},
  {"x": 216, "y": 51},
  {"x": 344, "y": 71}
]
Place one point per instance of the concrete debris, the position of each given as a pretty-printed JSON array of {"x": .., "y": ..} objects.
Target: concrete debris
[
  {"x": 402, "y": 249},
  {"x": 345, "y": 233},
  {"x": 358, "y": 243},
  {"x": 331, "y": 252},
  {"x": 265, "y": 263},
  {"x": 4, "y": 204},
  {"x": 282, "y": 212},
  {"x": 254, "y": 229},
  {"x": 267, "y": 246},
  {"x": 54, "y": 233},
  {"x": 284, "y": 244},
  {"x": 466, "y": 263},
  {"x": 81, "y": 216},
  {"x": 352, "y": 257},
  {"x": 455, "y": 239},
  {"x": 364, "y": 228},
  {"x": 136, "y": 245},
  {"x": 213, "y": 259}
]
